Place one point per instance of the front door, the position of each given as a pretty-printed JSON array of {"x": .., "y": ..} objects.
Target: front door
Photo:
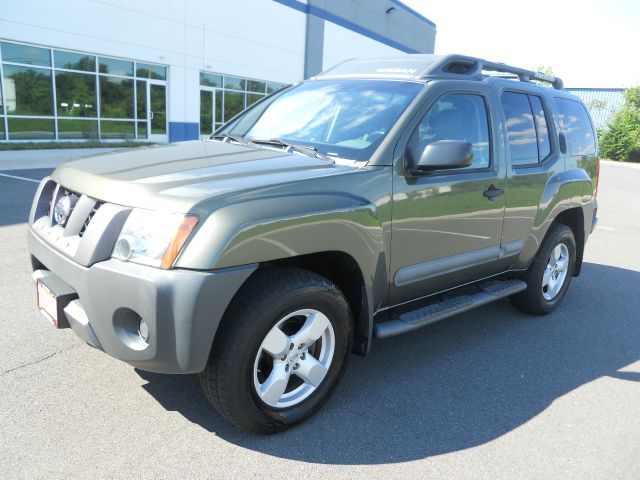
[
  {"x": 152, "y": 110},
  {"x": 447, "y": 225}
]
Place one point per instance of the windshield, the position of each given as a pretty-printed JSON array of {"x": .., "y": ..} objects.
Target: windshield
[{"x": 340, "y": 118}]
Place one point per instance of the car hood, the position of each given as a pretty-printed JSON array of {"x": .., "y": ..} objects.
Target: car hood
[{"x": 175, "y": 177}]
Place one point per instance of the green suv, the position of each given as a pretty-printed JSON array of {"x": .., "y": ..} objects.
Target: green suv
[{"x": 374, "y": 199}]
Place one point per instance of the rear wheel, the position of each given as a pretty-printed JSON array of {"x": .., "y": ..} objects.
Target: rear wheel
[
  {"x": 280, "y": 350},
  {"x": 550, "y": 274}
]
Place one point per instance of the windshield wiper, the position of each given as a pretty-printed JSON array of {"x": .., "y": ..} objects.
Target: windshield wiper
[
  {"x": 307, "y": 150},
  {"x": 230, "y": 137}
]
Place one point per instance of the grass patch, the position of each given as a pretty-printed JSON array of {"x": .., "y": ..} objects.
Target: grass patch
[{"x": 58, "y": 145}]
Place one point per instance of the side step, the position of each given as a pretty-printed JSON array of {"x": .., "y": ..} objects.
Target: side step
[{"x": 408, "y": 321}]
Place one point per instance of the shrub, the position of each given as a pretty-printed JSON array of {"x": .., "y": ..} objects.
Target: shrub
[{"x": 621, "y": 140}]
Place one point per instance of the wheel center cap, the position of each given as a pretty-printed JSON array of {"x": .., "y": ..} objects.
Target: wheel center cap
[{"x": 293, "y": 357}]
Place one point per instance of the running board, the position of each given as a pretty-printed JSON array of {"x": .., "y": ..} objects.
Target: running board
[{"x": 408, "y": 321}]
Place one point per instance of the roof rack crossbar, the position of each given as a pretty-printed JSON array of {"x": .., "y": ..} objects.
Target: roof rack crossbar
[
  {"x": 523, "y": 74},
  {"x": 462, "y": 66}
]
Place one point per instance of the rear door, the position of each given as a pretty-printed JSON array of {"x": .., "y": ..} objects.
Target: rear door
[{"x": 447, "y": 226}]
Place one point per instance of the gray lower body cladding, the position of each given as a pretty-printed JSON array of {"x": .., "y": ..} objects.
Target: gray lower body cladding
[{"x": 182, "y": 308}]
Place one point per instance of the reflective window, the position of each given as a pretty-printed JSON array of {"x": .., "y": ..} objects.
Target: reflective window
[
  {"x": 233, "y": 104},
  {"x": 13, "y": 52},
  {"x": 84, "y": 99},
  {"x": 116, "y": 67},
  {"x": 142, "y": 130},
  {"x": 74, "y": 61},
  {"x": 253, "y": 98},
  {"x": 234, "y": 83},
  {"x": 544, "y": 143},
  {"x": 77, "y": 129},
  {"x": 116, "y": 97},
  {"x": 344, "y": 118},
  {"x": 158, "y": 102},
  {"x": 157, "y": 72},
  {"x": 76, "y": 94},
  {"x": 521, "y": 131},
  {"x": 141, "y": 99},
  {"x": 206, "y": 112},
  {"x": 30, "y": 128},
  {"x": 255, "y": 86},
  {"x": 272, "y": 86},
  {"x": 117, "y": 130},
  {"x": 210, "y": 79},
  {"x": 217, "y": 111},
  {"x": 575, "y": 123},
  {"x": 28, "y": 90},
  {"x": 458, "y": 117}
]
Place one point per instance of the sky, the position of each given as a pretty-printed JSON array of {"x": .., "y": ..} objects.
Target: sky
[{"x": 589, "y": 43}]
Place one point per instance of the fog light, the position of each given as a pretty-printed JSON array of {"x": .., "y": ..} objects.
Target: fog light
[
  {"x": 123, "y": 249},
  {"x": 143, "y": 330}
]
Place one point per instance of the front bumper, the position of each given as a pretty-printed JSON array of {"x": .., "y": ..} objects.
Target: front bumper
[{"x": 182, "y": 308}]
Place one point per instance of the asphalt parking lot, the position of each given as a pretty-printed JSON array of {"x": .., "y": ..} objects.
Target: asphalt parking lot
[{"x": 489, "y": 394}]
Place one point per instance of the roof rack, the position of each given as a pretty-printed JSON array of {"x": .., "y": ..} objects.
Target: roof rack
[
  {"x": 463, "y": 66},
  {"x": 424, "y": 66}
]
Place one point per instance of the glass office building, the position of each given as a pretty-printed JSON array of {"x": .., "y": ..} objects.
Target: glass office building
[{"x": 158, "y": 72}]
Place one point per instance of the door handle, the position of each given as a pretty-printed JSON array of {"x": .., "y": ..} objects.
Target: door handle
[
  {"x": 150, "y": 115},
  {"x": 492, "y": 192}
]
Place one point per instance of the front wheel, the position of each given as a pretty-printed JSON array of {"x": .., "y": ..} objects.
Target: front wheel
[
  {"x": 279, "y": 351},
  {"x": 550, "y": 274}
]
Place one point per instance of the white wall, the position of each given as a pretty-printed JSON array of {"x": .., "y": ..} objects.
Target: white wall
[
  {"x": 341, "y": 44},
  {"x": 253, "y": 38}
]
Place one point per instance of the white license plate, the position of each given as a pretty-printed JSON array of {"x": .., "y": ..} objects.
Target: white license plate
[{"x": 47, "y": 303}]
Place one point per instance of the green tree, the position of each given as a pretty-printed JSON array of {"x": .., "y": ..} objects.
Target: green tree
[
  {"x": 544, "y": 69},
  {"x": 621, "y": 140}
]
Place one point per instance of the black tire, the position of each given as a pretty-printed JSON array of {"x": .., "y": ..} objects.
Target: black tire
[
  {"x": 268, "y": 296},
  {"x": 532, "y": 299}
]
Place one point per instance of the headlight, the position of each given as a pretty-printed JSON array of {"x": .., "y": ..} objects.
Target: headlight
[{"x": 153, "y": 238}]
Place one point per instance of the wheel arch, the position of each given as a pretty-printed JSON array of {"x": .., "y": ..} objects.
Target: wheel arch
[
  {"x": 343, "y": 270},
  {"x": 574, "y": 219}
]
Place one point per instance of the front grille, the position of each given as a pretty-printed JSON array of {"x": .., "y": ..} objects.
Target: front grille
[{"x": 90, "y": 217}]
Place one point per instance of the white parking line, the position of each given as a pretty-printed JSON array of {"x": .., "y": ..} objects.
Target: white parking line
[{"x": 19, "y": 178}]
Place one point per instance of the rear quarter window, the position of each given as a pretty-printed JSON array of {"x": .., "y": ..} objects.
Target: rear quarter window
[
  {"x": 521, "y": 130},
  {"x": 577, "y": 127}
]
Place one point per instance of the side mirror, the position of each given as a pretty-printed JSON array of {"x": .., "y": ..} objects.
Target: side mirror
[{"x": 442, "y": 155}]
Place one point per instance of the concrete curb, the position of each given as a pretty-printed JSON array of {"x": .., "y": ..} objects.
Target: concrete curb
[
  {"x": 621, "y": 164},
  {"x": 48, "y": 158}
]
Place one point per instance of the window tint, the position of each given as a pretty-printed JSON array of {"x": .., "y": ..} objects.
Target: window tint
[
  {"x": 28, "y": 90},
  {"x": 74, "y": 61},
  {"x": 234, "y": 83},
  {"x": 210, "y": 79},
  {"x": 30, "y": 128},
  {"x": 256, "y": 86},
  {"x": 77, "y": 129},
  {"x": 576, "y": 125},
  {"x": 458, "y": 117},
  {"x": 521, "y": 130},
  {"x": 206, "y": 112},
  {"x": 116, "y": 98},
  {"x": 233, "y": 104},
  {"x": 116, "y": 67},
  {"x": 544, "y": 143},
  {"x": 76, "y": 94},
  {"x": 151, "y": 71},
  {"x": 13, "y": 52}
]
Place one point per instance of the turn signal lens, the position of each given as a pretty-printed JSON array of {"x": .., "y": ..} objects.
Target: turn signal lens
[{"x": 178, "y": 240}]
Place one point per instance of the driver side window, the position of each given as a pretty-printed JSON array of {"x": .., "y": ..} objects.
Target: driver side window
[{"x": 458, "y": 116}]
